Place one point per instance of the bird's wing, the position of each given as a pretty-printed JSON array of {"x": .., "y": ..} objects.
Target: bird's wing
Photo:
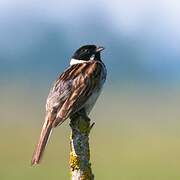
[{"x": 81, "y": 81}]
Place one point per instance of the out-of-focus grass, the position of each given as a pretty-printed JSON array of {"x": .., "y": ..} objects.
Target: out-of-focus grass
[
  {"x": 17, "y": 146},
  {"x": 114, "y": 155},
  {"x": 136, "y": 137}
]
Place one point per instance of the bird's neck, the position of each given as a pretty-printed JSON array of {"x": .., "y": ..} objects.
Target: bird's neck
[
  {"x": 76, "y": 61},
  {"x": 73, "y": 61}
]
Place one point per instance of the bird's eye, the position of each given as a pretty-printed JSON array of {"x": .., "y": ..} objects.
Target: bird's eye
[{"x": 86, "y": 50}]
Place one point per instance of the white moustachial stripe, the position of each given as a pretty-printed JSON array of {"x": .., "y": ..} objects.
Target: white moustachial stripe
[{"x": 76, "y": 61}]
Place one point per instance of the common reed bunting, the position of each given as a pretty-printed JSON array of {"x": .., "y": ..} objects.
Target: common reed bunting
[{"x": 74, "y": 92}]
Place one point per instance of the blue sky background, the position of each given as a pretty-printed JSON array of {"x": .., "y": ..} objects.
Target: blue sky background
[{"x": 142, "y": 38}]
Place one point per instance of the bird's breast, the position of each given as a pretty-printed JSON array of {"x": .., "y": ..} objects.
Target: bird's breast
[{"x": 92, "y": 99}]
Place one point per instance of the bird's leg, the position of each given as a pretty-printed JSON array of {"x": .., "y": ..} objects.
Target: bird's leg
[{"x": 83, "y": 114}]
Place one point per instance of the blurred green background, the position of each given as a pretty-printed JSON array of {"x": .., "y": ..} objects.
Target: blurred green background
[{"x": 137, "y": 130}]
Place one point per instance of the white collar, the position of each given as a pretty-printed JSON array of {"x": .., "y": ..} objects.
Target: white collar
[{"x": 76, "y": 61}]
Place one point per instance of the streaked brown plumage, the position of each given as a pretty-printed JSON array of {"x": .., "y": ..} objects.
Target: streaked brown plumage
[{"x": 76, "y": 90}]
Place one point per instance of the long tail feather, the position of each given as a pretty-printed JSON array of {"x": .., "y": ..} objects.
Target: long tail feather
[{"x": 44, "y": 136}]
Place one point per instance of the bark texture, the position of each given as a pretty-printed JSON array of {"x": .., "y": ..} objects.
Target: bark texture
[{"x": 80, "y": 165}]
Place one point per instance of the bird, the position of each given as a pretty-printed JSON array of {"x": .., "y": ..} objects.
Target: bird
[{"x": 74, "y": 92}]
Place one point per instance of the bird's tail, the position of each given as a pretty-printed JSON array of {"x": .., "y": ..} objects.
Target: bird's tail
[{"x": 44, "y": 136}]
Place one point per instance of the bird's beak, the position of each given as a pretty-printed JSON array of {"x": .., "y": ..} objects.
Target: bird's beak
[{"x": 99, "y": 49}]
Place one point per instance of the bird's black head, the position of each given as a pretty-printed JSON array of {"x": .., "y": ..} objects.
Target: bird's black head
[{"x": 88, "y": 52}]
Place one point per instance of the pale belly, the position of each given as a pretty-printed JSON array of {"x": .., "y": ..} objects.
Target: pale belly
[{"x": 91, "y": 101}]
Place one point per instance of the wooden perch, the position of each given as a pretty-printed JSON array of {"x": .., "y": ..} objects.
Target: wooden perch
[{"x": 80, "y": 166}]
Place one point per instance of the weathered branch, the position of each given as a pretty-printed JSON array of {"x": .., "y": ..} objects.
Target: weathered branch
[{"x": 80, "y": 165}]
